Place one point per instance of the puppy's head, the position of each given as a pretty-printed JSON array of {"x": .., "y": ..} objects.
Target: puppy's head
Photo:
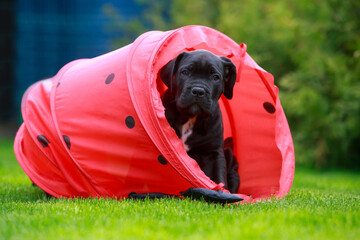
[{"x": 197, "y": 79}]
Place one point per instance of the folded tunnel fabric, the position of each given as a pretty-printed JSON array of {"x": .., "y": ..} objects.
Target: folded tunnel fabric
[{"x": 98, "y": 129}]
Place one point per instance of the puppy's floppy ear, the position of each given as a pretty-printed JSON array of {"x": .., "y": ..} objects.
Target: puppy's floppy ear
[
  {"x": 168, "y": 71},
  {"x": 229, "y": 77}
]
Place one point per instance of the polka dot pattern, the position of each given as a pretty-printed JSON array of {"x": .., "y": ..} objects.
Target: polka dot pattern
[
  {"x": 130, "y": 122},
  {"x": 67, "y": 141},
  {"x": 162, "y": 160},
  {"x": 43, "y": 140},
  {"x": 269, "y": 107},
  {"x": 110, "y": 78}
]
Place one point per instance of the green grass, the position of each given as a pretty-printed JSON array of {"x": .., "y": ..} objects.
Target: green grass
[{"x": 320, "y": 205}]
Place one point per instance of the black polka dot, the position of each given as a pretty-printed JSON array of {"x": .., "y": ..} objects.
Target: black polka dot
[
  {"x": 43, "y": 140},
  {"x": 130, "y": 122},
  {"x": 269, "y": 107},
  {"x": 67, "y": 141},
  {"x": 162, "y": 160},
  {"x": 110, "y": 78},
  {"x": 58, "y": 84}
]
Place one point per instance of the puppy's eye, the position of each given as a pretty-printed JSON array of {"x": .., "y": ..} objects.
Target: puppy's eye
[
  {"x": 216, "y": 77},
  {"x": 185, "y": 72}
]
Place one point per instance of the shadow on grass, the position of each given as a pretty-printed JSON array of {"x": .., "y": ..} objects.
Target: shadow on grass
[{"x": 23, "y": 193}]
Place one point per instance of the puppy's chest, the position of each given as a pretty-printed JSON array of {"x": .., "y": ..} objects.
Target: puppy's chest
[{"x": 186, "y": 130}]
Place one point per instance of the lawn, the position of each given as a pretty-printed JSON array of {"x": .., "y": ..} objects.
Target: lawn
[{"x": 320, "y": 205}]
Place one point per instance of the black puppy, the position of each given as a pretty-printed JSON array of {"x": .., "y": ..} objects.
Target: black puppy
[{"x": 195, "y": 82}]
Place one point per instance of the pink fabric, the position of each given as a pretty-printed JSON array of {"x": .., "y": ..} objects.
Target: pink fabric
[{"x": 98, "y": 127}]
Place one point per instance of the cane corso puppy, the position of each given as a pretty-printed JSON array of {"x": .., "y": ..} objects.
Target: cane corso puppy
[{"x": 195, "y": 82}]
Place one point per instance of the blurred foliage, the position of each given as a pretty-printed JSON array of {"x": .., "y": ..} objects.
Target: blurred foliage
[{"x": 311, "y": 47}]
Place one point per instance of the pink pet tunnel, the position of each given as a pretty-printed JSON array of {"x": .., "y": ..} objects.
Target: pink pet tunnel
[{"x": 98, "y": 129}]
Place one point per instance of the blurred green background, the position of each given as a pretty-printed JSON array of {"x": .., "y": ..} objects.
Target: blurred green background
[{"x": 311, "y": 47}]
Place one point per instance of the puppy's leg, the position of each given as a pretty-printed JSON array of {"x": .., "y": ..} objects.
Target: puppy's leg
[
  {"x": 213, "y": 165},
  {"x": 232, "y": 166}
]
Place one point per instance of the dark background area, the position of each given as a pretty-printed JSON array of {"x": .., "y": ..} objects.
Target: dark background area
[
  {"x": 6, "y": 58},
  {"x": 311, "y": 47}
]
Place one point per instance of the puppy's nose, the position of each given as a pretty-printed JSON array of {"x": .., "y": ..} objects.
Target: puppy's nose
[{"x": 198, "y": 91}]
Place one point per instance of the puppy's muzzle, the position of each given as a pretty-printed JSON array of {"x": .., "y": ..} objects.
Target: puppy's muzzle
[
  {"x": 197, "y": 92},
  {"x": 195, "y": 100}
]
